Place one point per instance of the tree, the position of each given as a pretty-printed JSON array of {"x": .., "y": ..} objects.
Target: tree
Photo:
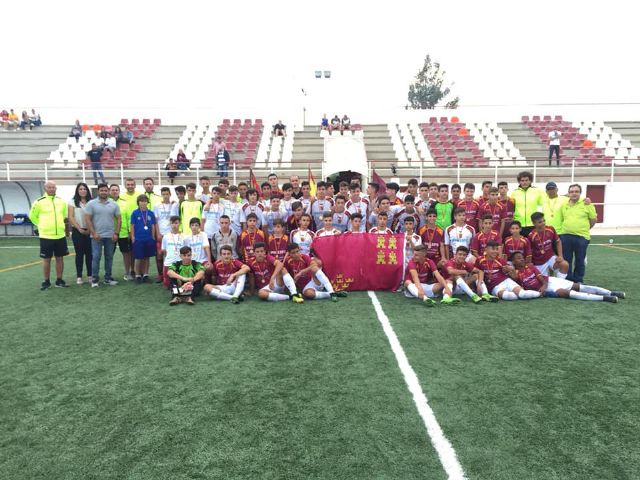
[{"x": 429, "y": 89}]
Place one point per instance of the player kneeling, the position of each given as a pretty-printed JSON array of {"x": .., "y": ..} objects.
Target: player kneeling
[
  {"x": 231, "y": 275},
  {"x": 308, "y": 276},
  {"x": 185, "y": 278},
  {"x": 460, "y": 274},
  {"x": 530, "y": 277},
  {"x": 492, "y": 276},
  {"x": 423, "y": 280},
  {"x": 271, "y": 278}
]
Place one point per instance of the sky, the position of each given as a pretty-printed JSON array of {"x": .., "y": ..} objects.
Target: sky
[{"x": 251, "y": 55}]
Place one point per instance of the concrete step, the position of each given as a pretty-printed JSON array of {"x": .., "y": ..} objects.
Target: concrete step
[{"x": 308, "y": 156}]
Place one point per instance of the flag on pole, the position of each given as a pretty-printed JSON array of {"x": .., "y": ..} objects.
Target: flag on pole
[
  {"x": 312, "y": 182},
  {"x": 254, "y": 182},
  {"x": 375, "y": 178}
]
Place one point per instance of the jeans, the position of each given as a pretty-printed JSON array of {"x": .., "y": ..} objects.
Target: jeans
[
  {"x": 96, "y": 167},
  {"x": 556, "y": 149},
  {"x": 574, "y": 251},
  {"x": 223, "y": 169},
  {"x": 82, "y": 246},
  {"x": 96, "y": 252}
]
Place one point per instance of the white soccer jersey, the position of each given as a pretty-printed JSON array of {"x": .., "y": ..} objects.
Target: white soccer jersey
[
  {"x": 306, "y": 204},
  {"x": 232, "y": 210},
  {"x": 247, "y": 208},
  {"x": 380, "y": 232},
  {"x": 361, "y": 207},
  {"x": 303, "y": 239},
  {"x": 411, "y": 242},
  {"x": 318, "y": 208},
  {"x": 172, "y": 243},
  {"x": 456, "y": 236},
  {"x": 327, "y": 233},
  {"x": 341, "y": 221},
  {"x": 163, "y": 212},
  {"x": 211, "y": 214},
  {"x": 197, "y": 244},
  {"x": 269, "y": 216}
]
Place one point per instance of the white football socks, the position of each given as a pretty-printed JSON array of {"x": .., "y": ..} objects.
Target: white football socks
[
  {"x": 413, "y": 290},
  {"x": 464, "y": 287},
  {"x": 239, "y": 285},
  {"x": 596, "y": 290},
  {"x": 526, "y": 294},
  {"x": 324, "y": 281},
  {"x": 559, "y": 274},
  {"x": 585, "y": 296},
  {"x": 321, "y": 295},
  {"x": 277, "y": 297},
  {"x": 289, "y": 283},
  {"x": 215, "y": 293},
  {"x": 509, "y": 296},
  {"x": 483, "y": 289}
]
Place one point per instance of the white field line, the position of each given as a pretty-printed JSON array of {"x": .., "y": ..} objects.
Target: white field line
[{"x": 445, "y": 451}]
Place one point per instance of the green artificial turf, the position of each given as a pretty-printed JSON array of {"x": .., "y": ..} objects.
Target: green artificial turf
[{"x": 114, "y": 383}]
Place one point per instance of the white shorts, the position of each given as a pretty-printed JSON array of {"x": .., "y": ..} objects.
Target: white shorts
[
  {"x": 228, "y": 289},
  {"x": 276, "y": 289},
  {"x": 556, "y": 284},
  {"x": 428, "y": 290},
  {"x": 506, "y": 285},
  {"x": 314, "y": 286},
  {"x": 547, "y": 266}
]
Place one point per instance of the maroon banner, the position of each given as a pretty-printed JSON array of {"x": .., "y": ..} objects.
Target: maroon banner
[{"x": 361, "y": 261}]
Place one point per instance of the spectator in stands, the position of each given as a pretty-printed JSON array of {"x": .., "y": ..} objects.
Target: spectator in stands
[
  {"x": 182, "y": 162},
  {"x": 128, "y": 137},
  {"x": 103, "y": 133},
  {"x": 94, "y": 156},
  {"x": 345, "y": 124},
  {"x": 110, "y": 143},
  {"x": 76, "y": 130},
  {"x": 222, "y": 161},
  {"x": 117, "y": 133},
  {"x": 36, "y": 121},
  {"x": 4, "y": 119},
  {"x": 217, "y": 145},
  {"x": 25, "y": 121},
  {"x": 80, "y": 235},
  {"x": 324, "y": 124},
  {"x": 171, "y": 169},
  {"x": 335, "y": 124},
  {"x": 554, "y": 145},
  {"x": 279, "y": 129},
  {"x": 13, "y": 120}
]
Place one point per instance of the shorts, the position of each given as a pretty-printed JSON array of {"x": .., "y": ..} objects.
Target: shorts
[
  {"x": 276, "y": 289},
  {"x": 506, "y": 285},
  {"x": 144, "y": 249},
  {"x": 124, "y": 244},
  {"x": 428, "y": 290},
  {"x": 556, "y": 284},
  {"x": 311, "y": 284},
  {"x": 228, "y": 289},
  {"x": 53, "y": 248},
  {"x": 547, "y": 266}
]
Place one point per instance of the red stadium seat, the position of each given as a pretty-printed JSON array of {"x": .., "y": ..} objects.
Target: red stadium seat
[{"x": 135, "y": 121}]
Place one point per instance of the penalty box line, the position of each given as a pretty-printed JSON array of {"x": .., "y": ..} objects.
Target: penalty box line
[{"x": 443, "y": 447}]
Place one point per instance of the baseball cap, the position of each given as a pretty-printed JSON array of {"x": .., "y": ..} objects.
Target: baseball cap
[{"x": 551, "y": 185}]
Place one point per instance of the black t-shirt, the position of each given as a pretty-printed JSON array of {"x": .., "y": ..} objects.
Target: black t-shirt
[
  {"x": 279, "y": 126},
  {"x": 94, "y": 155}
]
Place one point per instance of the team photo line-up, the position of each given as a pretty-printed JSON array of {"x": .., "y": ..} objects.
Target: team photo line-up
[{"x": 231, "y": 241}]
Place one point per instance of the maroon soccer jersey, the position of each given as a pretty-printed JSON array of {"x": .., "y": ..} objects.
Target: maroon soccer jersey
[
  {"x": 292, "y": 223},
  {"x": 509, "y": 207},
  {"x": 522, "y": 245},
  {"x": 480, "y": 240},
  {"x": 471, "y": 208},
  {"x": 528, "y": 277},
  {"x": 425, "y": 270},
  {"x": 481, "y": 201},
  {"x": 295, "y": 267},
  {"x": 493, "y": 274},
  {"x": 497, "y": 214},
  {"x": 247, "y": 241},
  {"x": 224, "y": 270},
  {"x": 262, "y": 271},
  {"x": 542, "y": 244},
  {"x": 432, "y": 239},
  {"x": 451, "y": 263},
  {"x": 278, "y": 247}
]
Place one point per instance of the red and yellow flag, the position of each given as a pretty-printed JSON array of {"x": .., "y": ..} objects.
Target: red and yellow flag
[{"x": 254, "y": 182}]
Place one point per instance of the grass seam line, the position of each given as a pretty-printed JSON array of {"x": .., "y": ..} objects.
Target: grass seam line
[{"x": 443, "y": 447}]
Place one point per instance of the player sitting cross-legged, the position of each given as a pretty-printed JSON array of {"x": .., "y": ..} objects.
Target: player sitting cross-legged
[
  {"x": 271, "y": 278},
  {"x": 492, "y": 277},
  {"x": 546, "y": 248},
  {"x": 460, "y": 274},
  {"x": 185, "y": 277},
  {"x": 530, "y": 277},
  {"x": 309, "y": 278},
  {"x": 422, "y": 279},
  {"x": 231, "y": 277}
]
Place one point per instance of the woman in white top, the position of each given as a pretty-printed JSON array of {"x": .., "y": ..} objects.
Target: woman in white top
[{"x": 79, "y": 232}]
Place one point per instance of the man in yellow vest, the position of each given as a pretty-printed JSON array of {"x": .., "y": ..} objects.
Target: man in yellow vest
[
  {"x": 528, "y": 200},
  {"x": 154, "y": 198},
  {"x": 49, "y": 214},
  {"x": 551, "y": 205}
]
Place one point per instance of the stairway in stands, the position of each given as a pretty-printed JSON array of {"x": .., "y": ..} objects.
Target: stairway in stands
[
  {"x": 308, "y": 151},
  {"x": 31, "y": 146},
  {"x": 525, "y": 140}
]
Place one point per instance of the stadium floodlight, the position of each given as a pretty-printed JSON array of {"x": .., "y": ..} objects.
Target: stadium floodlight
[
  {"x": 318, "y": 74},
  {"x": 327, "y": 74}
]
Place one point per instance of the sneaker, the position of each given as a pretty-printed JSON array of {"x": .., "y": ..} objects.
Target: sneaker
[
  {"x": 189, "y": 301},
  {"x": 145, "y": 279},
  {"x": 450, "y": 301},
  {"x": 610, "y": 299},
  {"x": 341, "y": 294},
  {"x": 235, "y": 300},
  {"x": 44, "y": 285},
  {"x": 94, "y": 284},
  {"x": 241, "y": 297},
  {"x": 111, "y": 282},
  {"x": 61, "y": 283},
  {"x": 79, "y": 281},
  {"x": 334, "y": 296},
  {"x": 618, "y": 294},
  {"x": 128, "y": 278},
  {"x": 139, "y": 279},
  {"x": 174, "y": 301},
  {"x": 297, "y": 298},
  {"x": 428, "y": 302},
  {"x": 476, "y": 299},
  {"x": 487, "y": 297}
]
